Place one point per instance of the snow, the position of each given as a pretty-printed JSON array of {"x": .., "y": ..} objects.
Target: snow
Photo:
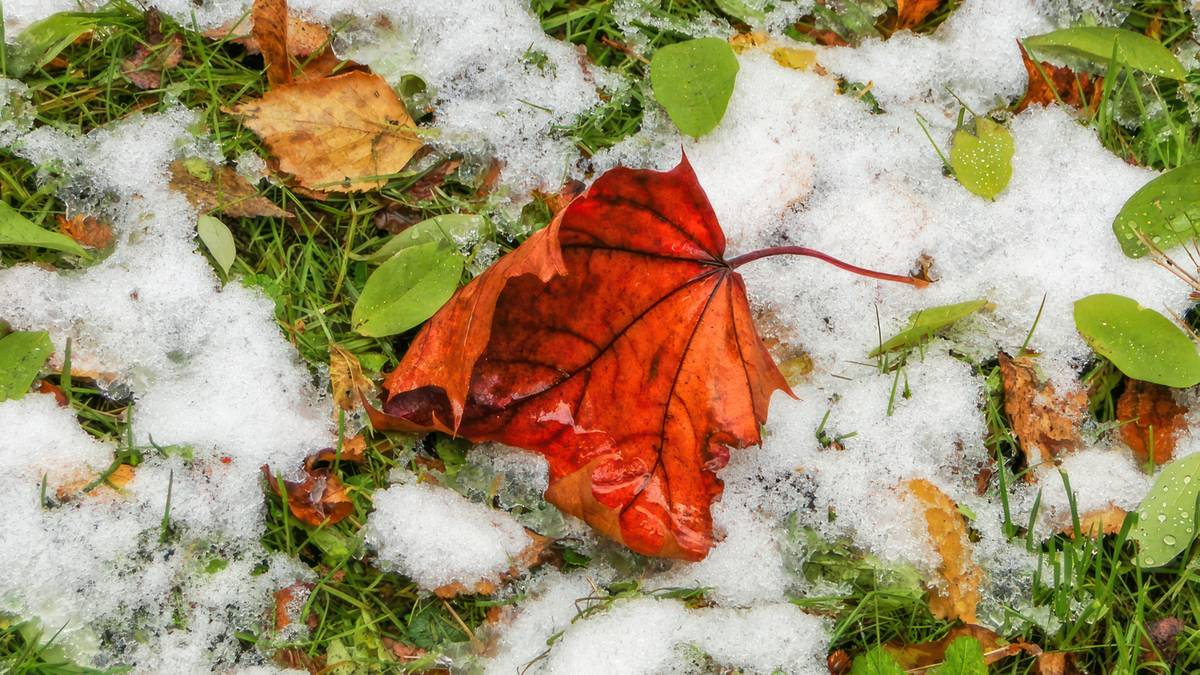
[
  {"x": 793, "y": 162},
  {"x": 436, "y": 537}
]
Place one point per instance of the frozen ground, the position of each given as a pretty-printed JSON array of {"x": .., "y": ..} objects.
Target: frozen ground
[{"x": 792, "y": 162}]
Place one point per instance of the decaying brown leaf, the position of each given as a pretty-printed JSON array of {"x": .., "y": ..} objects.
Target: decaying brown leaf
[
  {"x": 402, "y": 651},
  {"x": 924, "y": 655},
  {"x": 534, "y": 554},
  {"x": 1163, "y": 640},
  {"x": 269, "y": 27},
  {"x": 1150, "y": 420},
  {"x": 1045, "y": 423},
  {"x": 1055, "y": 663},
  {"x": 1048, "y": 83},
  {"x": 318, "y": 499},
  {"x": 212, "y": 188},
  {"x": 87, "y": 231},
  {"x": 289, "y": 601},
  {"x": 145, "y": 67},
  {"x": 346, "y": 378},
  {"x": 338, "y": 134},
  {"x": 1107, "y": 520},
  {"x": 959, "y": 596},
  {"x": 839, "y": 662},
  {"x": 910, "y": 13}
]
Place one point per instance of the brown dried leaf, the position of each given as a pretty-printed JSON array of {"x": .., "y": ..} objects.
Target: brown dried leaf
[
  {"x": 532, "y": 555},
  {"x": 1045, "y": 424},
  {"x": 338, "y": 134},
  {"x": 1055, "y": 663},
  {"x": 924, "y": 655},
  {"x": 319, "y": 498},
  {"x": 346, "y": 378},
  {"x": 222, "y": 188},
  {"x": 269, "y": 26},
  {"x": 960, "y": 595},
  {"x": 402, "y": 651},
  {"x": 423, "y": 188},
  {"x": 910, "y": 13},
  {"x": 150, "y": 58},
  {"x": 1145, "y": 406},
  {"x": 1164, "y": 635},
  {"x": 1048, "y": 83},
  {"x": 87, "y": 231},
  {"x": 353, "y": 450},
  {"x": 839, "y": 662},
  {"x": 1107, "y": 520}
]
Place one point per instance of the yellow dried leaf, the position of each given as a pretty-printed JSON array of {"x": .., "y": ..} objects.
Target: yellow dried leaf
[
  {"x": 796, "y": 59},
  {"x": 960, "y": 595},
  {"x": 1107, "y": 520},
  {"x": 346, "y": 379},
  {"x": 338, "y": 134}
]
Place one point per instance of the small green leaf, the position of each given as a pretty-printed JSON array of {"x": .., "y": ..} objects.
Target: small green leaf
[
  {"x": 22, "y": 355},
  {"x": 876, "y": 662},
  {"x": 1098, "y": 44},
  {"x": 1166, "y": 211},
  {"x": 964, "y": 656},
  {"x": 17, "y": 230},
  {"x": 746, "y": 12},
  {"x": 453, "y": 229},
  {"x": 1166, "y": 522},
  {"x": 218, "y": 240},
  {"x": 407, "y": 289},
  {"x": 924, "y": 323},
  {"x": 1141, "y": 343},
  {"x": 693, "y": 81},
  {"x": 38, "y": 44},
  {"x": 335, "y": 546},
  {"x": 983, "y": 162},
  {"x": 198, "y": 168}
]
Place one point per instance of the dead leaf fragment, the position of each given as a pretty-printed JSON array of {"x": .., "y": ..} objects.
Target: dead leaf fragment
[
  {"x": 796, "y": 58},
  {"x": 1107, "y": 520},
  {"x": 839, "y": 662},
  {"x": 289, "y": 601},
  {"x": 402, "y": 651},
  {"x": 960, "y": 595},
  {"x": 338, "y": 134},
  {"x": 145, "y": 67},
  {"x": 1048, "y": 83},
  {"x": 109, "y": 487},
  {"x": 213, "y": 188},
  {"x": 1055, "y": 663},
  {"x": 910, "y": 13},
  {"x": 303, "y": 37},
  {"x": 270, "y": 30},
  {"x": 924, "y": 655},
  {"x": 346, "y": 379},
  {"x": 1045, "y": 423},
  {"x": 1164, "y": 636},
  {"x": 87, "y": 231},
  {"x": 1150, "y": 419},
  {"x": 318, "y": 499}
]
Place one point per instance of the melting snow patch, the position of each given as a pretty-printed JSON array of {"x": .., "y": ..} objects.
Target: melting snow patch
[{"x": 437, "y": 537}]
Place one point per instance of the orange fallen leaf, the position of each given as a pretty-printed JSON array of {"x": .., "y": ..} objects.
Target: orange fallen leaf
[
  {"x": 924, "y": 655},
  {"x": 48, "y": 387},
  {"x": 958, "y": 597},
  {"x": 212, "y": 188},
  {"x": 87, "y": 231},
  {"x": 289, "y": 601},
  {"x": 1143, "y": 408},
  {"x": 1045, "y": 423},
  {"x": 269, "y": 26},
  {"x": 318, "y": 499},
  {"x": 403, "y": 651},
  {"x": 353, "y": 450},
  {"x": 1048, "y": 83},
  {"x": 618, "y": 343},
  {"x": 304, "y": 37},
  {"x": 910, "y": 13},
  {"x": 109, "y": 487},
  {"x": 338, "y": 134}
]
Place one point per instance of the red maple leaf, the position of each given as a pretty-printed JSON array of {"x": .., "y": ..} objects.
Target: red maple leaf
[{"x": 618, "y": 343}]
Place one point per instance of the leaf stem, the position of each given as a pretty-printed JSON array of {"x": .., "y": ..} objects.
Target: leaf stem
[{"x": 802, "y": 250}]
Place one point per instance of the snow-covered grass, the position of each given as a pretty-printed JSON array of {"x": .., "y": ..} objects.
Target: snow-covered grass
[{"x": 197, "y": 380}]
